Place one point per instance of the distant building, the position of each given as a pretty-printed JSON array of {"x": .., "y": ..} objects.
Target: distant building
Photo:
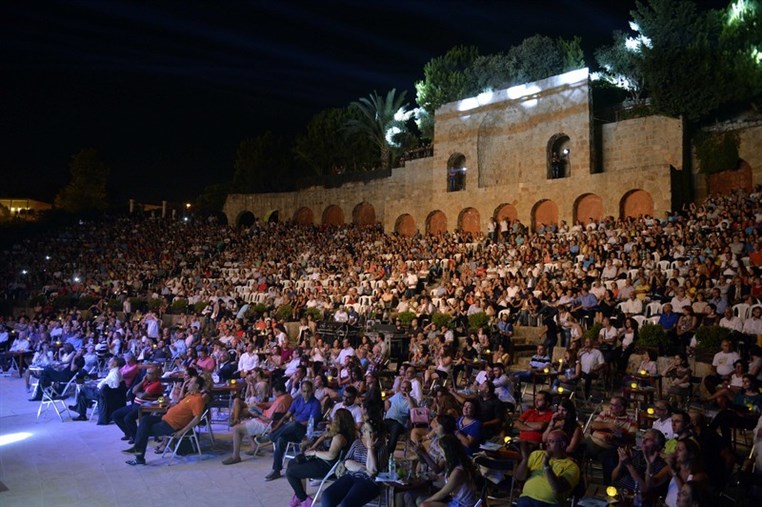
[{"x": 27, "y": 209}]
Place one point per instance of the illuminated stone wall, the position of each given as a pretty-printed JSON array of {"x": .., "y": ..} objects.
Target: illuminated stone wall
[{"x": 506, "y": 138}]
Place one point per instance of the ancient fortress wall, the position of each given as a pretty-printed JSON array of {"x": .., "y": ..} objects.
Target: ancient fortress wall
[{"x": 503, "y": 143}]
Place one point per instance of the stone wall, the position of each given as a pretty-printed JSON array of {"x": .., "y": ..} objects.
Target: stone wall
[
  {"x": 750, "y": 152},
  {"x": 506, "y": 138}
]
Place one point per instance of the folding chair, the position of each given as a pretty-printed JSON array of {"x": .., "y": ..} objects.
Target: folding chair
[
  {"x": 189, "y": 435},
  {"x": 55, "y": 394},
  {"x": 328, "y": 477}
]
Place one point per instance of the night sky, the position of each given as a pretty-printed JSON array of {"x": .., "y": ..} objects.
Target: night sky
[{"x": 167, "y": 90}]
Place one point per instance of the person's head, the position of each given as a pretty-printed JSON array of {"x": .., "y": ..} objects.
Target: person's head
[
  {"x": 692, "y": 494},
  {"x": 350, "y": 396},
  {"x": 681, "y": 359},
  {"x": 455, "y": 454},
  {"x": 653, "y": 441},
  {"x": 687, "y": 450},
  {"x": 279, "y": 387},
  {"x": 344, "y": 424},
  {"x": 740, "y": 367},
  {"x": 662, "y": 410},
  {"x": 726, "y": 346},
  {"x": 307, "y": 390},
  {"x": 410, "y": 372},
  {"x": 618, "y": 406},
  {"x": 588, "y": 343},
  {"x": 541, "y": 350},
  {"x": 567, "y": 410},
  {"x": 497, "y": 370},
  {"x": 471, "y": 409},
  {"x": 444, "y": 424},
  {"x": 542, "y": 400},
  {"x": 556, "y": 443},
  {"x": 749, "y": 382},
  {"x": 486, "y": 389},
  {"x": 195, "y": 384},
  {"x": 680, "y": 422}
]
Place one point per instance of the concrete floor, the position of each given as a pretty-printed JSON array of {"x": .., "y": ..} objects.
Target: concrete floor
[{"x": 80, "y": 464}]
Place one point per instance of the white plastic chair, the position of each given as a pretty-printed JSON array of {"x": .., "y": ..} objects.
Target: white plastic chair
[{"x": 190, "y": 435}]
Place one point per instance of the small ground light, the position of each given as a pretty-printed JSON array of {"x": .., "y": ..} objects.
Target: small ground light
[
  {"x": 24, "y": 271},
  {"x": 650, "y": 410},
  {"x": 611, "y": 491}
]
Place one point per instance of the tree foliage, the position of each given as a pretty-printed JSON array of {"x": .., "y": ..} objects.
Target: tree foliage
[
  {"x": 741, "y": 43},
  {"x": 262, "y": 164},
  {"x": 447, "y": 78},
  {"x": 212, "y": 198},
  {"x": 382, "y": 121},
  {"x": 86, "y": 191},
  {"x": 325, "y": 148},
  {"x": 622, "y": 67}
]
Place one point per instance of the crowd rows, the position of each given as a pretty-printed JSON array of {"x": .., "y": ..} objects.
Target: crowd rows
[{"x": 454, "y": 389}]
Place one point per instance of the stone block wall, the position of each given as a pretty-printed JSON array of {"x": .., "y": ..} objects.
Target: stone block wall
[{"x": 506, "y": 138}]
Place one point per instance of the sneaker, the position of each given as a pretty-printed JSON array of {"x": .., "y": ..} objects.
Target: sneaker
[
  {"x": 125, "y": 438},
  {"x": 306, "y": 503},
  {"x": 275, "y": 474},
  {"x": 131, "y": 450},
  {"x": 294, "y": 501},
  {"x": 137, "y": 461},
  {"x": 232, "y": 460}
]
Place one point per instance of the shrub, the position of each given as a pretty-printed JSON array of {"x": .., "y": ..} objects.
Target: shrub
[
  {"x": 406, "y": 317},
  {"x": 63, "y": 302},
  {"x": 86, "y": 302},
  {"x": 114, "y": 305},
  {"x": 652, "y": 336},
  {"x": 317, "y": 315},
  {"x": 38, "y": 300},
  {"x": 441, "y": 319},
  {"x": 155, "y": 303},
  {"x": 477, "y": 320},
  {"x": 709, "y": 338},
  {"x": 259, "y": 308},
  {"x": 199, "y": 306},
  {"x": 139, "y": 304},
  {"x": 284, "y": 312},
  {"x": 593, "y": 332},
  {"x": 179, "y": 306}
]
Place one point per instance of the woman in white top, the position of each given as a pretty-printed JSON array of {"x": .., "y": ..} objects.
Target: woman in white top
[{"x": 684, "y": 466}]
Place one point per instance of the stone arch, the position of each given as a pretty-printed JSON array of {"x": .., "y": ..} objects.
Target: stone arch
[
  {"x": 469, "y": 220},
  {"x": 364, "y": 215},
  {"x": 636, "y": 203},
  {"x": 405, "y": 225},
  {"x": 221, "y": 218},
  {"x": 272, "y": 216},
  {"x": 245, "y": 219},
  {"x": 304, "y": 216},
  {"x": 507, "y": 211},
  {"x": 456, "y": 172},
  {"x": 333, "y": 215},
  {"x": 544, "y": 212},
  {"x": 588, "y": 206},
  {"x": 558, "y": 156},
  {"x": 436, "y": 223}
]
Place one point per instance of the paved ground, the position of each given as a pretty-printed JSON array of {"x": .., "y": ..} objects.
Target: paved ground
[{"x": 80, "y": 464}]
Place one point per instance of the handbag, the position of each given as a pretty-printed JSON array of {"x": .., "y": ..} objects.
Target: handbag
[{"x": 419, "y": 417}]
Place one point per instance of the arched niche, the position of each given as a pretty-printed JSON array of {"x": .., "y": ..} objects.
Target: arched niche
[
  {"x": 469, "y": 220},
  {"x": 544, "y": 212},
  {"x": 405, "y": 225},
  {"x": 456, "y": 172},
  {"x": 436, "y": 223},
  {"x": 588, "y": 206},
  {"x": 558, "y": 157},
  {"x": 333, "y": 215},
  {"x": 636, "y": 203},
  {"x": 304, "y": 216},
  {"x": 245, "y": 219},
  {"x": 364, "y": 215}
]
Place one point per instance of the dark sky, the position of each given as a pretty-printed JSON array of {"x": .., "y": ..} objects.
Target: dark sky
[{"x": 166, "y": 90}]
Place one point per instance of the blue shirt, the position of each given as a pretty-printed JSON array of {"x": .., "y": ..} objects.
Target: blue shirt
[
  {"x": 399, "y": 409},
  {"x": 668, "y": 321},
  {"x": 303, "y": 410}
]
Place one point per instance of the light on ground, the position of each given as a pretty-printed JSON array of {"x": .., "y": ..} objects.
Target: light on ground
[{"x": 11, "y": 438}]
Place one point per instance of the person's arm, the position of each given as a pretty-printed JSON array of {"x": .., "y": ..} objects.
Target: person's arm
[
  {"x": 522, "y": 469},
  {"x": 337, "y": 443},
  {"x": 454, "y": 481}
]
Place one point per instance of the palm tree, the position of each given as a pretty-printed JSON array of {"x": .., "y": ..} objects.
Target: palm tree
[{"x": 382, "y": 121}]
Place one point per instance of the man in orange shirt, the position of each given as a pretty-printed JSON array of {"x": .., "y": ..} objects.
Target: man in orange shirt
[{"x": 178, "y": 419}]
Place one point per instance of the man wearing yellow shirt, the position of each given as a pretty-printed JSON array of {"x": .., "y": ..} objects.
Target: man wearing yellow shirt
[{"x": 550, "y": 475}]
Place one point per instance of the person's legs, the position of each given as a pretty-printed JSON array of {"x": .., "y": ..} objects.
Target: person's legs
[
  {"x": 361, "y": 492},
  {"x": 309, "y": 469},
  {"x": 126, "y": 418},
  {"x": 394, "y": 429},
  {"x": 335, "y": 493},
  {"x": 143, "y": 432},
  {"x": 292, "y": 432}
]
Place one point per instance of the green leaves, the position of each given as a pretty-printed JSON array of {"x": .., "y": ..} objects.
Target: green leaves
[{"x": 86, "y": 191}]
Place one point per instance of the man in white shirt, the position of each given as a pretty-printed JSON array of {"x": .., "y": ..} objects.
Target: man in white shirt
[
  {"x": 663, "y": 421},
  {"x": 680, "y": 301},
  {"x": 248, "y": 361},
  {"x": 89, "y": 393},
  {"x": 341, "y": 315},
  {"x": 753, "y": 325},
  {"x": 348, "y": 402},
  {"x": 632, "y": 306},
  {"x": 722, "y": 366},
  {"x": 730, "y": 321},
  {"x": 345, "y": 352},
  {"x": 416, "y": 391},
  {"x": 591, "y": 360}
]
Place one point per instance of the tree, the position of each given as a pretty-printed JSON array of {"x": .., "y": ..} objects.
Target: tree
[
  {"x": 382, "y": 121},
  {"x": 683, "y": 69},
  {"x": 324, "y": 147},
  {"x": 258, "y": 160},
  {"x": 212, "y": 198},
  {"x": 446, "y": 78},
  {"x": 539, "y": 56},
  {"x": 622, "y": 66},
  {"x": 86, "y": 191},
  {"x": 741, "y": 46}
]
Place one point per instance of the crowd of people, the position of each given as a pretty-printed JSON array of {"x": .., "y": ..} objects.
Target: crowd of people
[{"x": 204, "y": 304}]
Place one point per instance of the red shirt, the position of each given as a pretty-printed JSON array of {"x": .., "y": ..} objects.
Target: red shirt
[{"x": 532, "y": 415}]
